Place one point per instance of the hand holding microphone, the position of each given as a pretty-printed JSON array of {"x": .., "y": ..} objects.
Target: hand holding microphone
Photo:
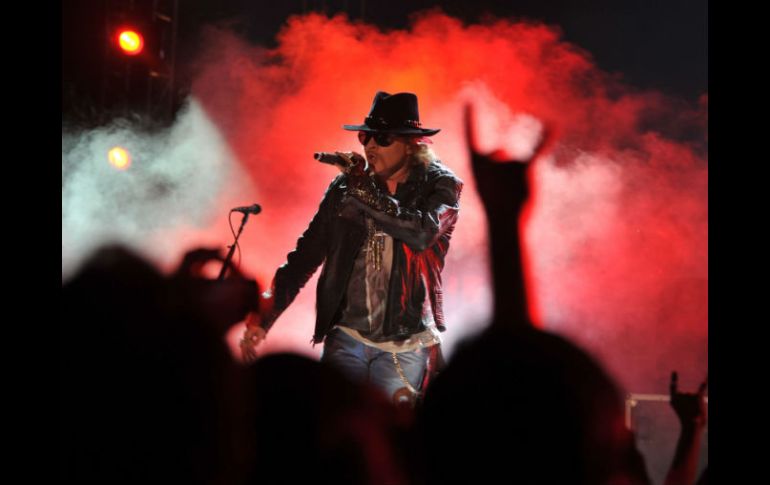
[
  {"x": 350, "y": 163},
  {"x": 361, "y": 184}
]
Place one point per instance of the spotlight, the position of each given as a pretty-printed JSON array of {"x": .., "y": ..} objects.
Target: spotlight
[
  {"x": 119, "y": 158},
  {"x": 130, "y": 41}
]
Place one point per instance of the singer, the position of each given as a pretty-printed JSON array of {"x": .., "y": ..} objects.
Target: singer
[{"x": 382, "y": 232}]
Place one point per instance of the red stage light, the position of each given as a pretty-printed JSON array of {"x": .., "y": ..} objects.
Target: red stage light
[
  {"x": 119, "y": 158},
  {"x": 131, "y": 42}
]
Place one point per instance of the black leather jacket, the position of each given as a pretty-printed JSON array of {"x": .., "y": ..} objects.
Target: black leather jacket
[{"x": 422, "y": 216}]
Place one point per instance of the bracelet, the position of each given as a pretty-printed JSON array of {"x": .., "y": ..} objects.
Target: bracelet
[{"x": 251, "y": 339}]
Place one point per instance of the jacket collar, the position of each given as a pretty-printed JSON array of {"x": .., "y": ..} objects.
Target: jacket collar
[{"x": 418, "y": 173}]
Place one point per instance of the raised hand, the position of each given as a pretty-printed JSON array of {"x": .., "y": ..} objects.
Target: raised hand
[{"x": 690, "y": 408}]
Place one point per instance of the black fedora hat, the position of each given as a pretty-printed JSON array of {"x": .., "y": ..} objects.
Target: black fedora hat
[{"x": 394, "y": 113}]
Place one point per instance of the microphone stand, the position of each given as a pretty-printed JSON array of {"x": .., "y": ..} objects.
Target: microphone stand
[{"x": 232, "y": 248}]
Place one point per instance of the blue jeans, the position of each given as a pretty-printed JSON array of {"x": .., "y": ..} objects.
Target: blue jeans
[{"x": 364, "y": 363}]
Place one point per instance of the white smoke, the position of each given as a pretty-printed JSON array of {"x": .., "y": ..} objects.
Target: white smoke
[{"x": 162, "y": 204}]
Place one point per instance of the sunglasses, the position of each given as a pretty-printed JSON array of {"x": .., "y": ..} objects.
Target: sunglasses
[{"x": 382, "y": 139}]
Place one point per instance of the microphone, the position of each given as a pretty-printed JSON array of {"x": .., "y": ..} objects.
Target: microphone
[
  {"x": 330, "y": 158},
  {"x": 252, "y": 209},
  {"x": 338, "y": 161}
]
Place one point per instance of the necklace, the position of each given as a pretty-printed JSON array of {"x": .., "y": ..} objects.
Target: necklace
[{"x": 375, "y": 244}]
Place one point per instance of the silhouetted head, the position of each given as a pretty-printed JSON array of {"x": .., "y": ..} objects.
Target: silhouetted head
[
  {"x": 524, "y": 405},
  {"x": 147, "y": 385},
  {"x": 315, "y": 425}
]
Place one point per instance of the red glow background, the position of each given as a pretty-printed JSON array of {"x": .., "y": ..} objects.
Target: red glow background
[{"x": 617, "y": 236}]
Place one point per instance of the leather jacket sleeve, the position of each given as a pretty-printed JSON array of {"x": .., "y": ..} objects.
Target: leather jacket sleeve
[
  {"x": 418, "y": 227},
  {"x": 302, "y": 262}
]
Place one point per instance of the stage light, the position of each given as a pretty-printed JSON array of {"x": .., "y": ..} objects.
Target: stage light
[
  {"x": 119, "y": 158},
  {"x": 131, "y": 42}
]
